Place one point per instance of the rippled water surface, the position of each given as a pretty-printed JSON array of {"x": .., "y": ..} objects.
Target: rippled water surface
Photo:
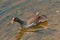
[{"x": 25, "y": 9}]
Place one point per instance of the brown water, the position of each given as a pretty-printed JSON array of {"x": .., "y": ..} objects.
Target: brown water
[{"x": 25, "y": 9}]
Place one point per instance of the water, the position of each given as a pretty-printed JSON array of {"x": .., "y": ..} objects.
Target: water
[{"x": 25, "y": 9}]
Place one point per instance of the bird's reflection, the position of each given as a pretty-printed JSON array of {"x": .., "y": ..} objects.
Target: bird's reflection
[{"x": 32, "y": 29}]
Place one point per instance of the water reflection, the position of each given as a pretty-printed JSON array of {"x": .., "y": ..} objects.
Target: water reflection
[{"x": 38, "y": 29}]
